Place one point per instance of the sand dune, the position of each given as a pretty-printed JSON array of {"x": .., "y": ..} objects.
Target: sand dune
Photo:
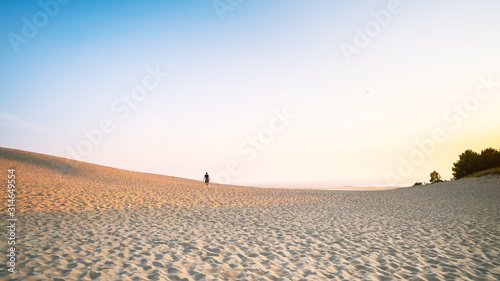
[{"x": 79, "y": 221}]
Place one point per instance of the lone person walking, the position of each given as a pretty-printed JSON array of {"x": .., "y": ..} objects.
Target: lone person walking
[{"x": 207, "y": 178}]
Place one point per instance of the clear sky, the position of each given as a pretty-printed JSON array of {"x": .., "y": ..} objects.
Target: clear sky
[{"x": 268, "y": 93}]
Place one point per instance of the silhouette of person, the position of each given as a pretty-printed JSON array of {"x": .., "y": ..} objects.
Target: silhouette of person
[{"x": 207, "y": 178}]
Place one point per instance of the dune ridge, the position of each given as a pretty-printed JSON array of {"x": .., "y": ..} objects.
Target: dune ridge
[
  {"x": 80, "y": 186},
  {"x": 79, "y": 221}
]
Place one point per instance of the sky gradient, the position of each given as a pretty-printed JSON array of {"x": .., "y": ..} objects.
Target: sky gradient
[{"x": 253, "y": 92}]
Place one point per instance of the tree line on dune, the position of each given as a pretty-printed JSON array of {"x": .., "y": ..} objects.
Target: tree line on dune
[{"x": 471, "y": 162}]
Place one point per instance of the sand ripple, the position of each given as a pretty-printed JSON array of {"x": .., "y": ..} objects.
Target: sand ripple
[{"x": 97, "y": 223}]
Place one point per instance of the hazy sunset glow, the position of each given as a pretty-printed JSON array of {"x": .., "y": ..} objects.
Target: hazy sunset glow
[{"x": 288, "y": 93}]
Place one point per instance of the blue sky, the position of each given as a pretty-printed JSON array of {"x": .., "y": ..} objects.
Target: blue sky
[{"x": 356, "y": 119}]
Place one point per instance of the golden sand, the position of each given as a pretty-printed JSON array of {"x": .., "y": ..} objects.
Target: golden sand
[{"x": 78, "y": 221}]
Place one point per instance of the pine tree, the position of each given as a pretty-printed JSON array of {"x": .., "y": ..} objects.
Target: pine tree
[{"x": 435, "y": 177}]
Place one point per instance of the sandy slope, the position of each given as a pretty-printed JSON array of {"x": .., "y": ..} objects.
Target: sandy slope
[{"x": 82, "y": 221}]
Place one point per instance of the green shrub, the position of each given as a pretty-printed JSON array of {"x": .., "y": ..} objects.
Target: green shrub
[{"x": 492, "y": 171}]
